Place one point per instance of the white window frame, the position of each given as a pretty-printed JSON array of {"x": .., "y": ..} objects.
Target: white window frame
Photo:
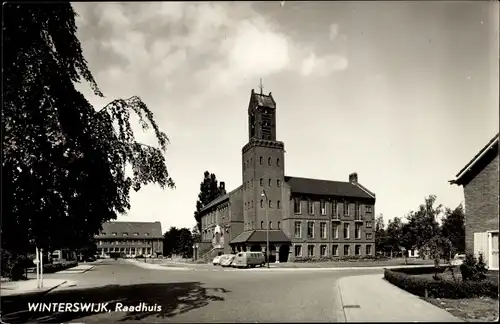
[
  {"x": 299, "y": 201},
  {"x": 312, "y": 235},
  {"x": 310, "y": 205},
  {"x": 357, "y": 230},
  {"x": 300, "y": 229},
  {"x": 357, "y": 246},
  {"x": 295, "y": 250},
  {"x": 346, "y": 208},
  {"x": 366, "y": 249},
  {"x": 369, "y": 234},
  {"x": 323, "y": 230},
  {"x": 309, "y": 246},
  {"x": 368, "y": 209},
  {"x": 322, "y": 206},
  {"x": 348, "y": 231},
  {"x": 348, "y": 250},
  {"x": 325, "y": 247},
  {"x": 336, "y": 232},
  {"x": 333, "y": 250}
]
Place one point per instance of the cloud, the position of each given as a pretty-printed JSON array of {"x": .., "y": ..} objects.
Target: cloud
[
  {"x": 207, "y": 48},
  {"x": 322, "y": 66},
  {"x": 334, "y": 31}
]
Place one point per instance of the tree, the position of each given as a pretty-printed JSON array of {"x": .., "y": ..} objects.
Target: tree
[
  {"x": 439, "y": 247},
  {"x": 380, "y": 234},
  {"x": 394, "y": 233},
  {"x": 178, "y": 241},
  {"x": 63, "y": 163},
  {"x": 423, "y": 222},
  {"x": 453, "y": 227},
  {"x": 209, "y": 190},
  {"x": 196, "y": 234}
]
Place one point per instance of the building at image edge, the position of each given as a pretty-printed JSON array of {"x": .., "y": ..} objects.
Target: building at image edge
[
  {"x": 130, "y": 238},
  {"x": 307, "y": 217}
]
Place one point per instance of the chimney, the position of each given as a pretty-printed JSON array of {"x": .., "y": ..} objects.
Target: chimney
[
  {"x": 353, "y": 177},
  {"x": 222, "y": 187}
]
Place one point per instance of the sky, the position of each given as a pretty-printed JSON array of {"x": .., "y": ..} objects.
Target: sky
[{"x": 403, "y": 93}]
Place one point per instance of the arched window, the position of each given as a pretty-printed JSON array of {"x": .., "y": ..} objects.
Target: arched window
[
  {"x": 261, "y": 159},
  {"x": 262, "y": 224},
  {"x": 270, "y": 204},
  {"x": 270, "y": 225},
  {"x": 278, "y": 204},
  {"x": 269, "y": 182},
  {"x": 269, "y": 161},
  {"x": 279, "y": 225},
  {"x": 278, "y": 183},
  {"x": 261, "y": 203},
  {"x": 278, "y": 162},
  {"x": 261, "y": 182}
]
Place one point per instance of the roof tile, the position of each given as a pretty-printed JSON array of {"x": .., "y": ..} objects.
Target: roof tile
[{"x": 144, "y": 229}]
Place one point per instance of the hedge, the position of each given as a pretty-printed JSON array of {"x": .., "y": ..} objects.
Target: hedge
[
  {"x": 342, "y": 258},
  {"x": 441, "y": 289},
  {"x": 55, "y": 267},
  {"x": 421, "y": 270}
]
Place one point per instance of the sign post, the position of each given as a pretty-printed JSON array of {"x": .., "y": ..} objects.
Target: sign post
[
  {"x": 41, "y": 268},
  {"x": 37, "y": 262}
]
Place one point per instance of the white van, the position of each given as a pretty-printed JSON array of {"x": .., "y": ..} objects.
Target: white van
[{"x": 248, "y": 259}]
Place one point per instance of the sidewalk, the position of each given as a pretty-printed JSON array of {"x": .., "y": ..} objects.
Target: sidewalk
[
  {"x": 27, "y": 287},
  {"x": 153, "y": 266},
  {"x": 369, "y": 298},
  {"x": 81, "y": 268}
]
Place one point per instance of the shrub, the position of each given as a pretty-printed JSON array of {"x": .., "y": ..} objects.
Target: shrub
[
  {"x": 428, "y": 287},
  {"x": 473, "y": 269},
  {"x": 421, "y": 270},
  {"x": 56, "y": 267}
]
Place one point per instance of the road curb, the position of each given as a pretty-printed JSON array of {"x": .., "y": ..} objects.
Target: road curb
[
  {"x": 35, "y": 292},
  {"x": 340, "y": 313}
]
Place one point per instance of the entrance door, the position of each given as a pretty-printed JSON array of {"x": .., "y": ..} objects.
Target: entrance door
[{"x": 494, "y": 251}]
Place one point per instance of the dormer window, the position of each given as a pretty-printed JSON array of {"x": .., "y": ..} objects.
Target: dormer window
[
  {"x": 136, "y": 234},
  {"x": 125, "y": 234},
  {"x": 146, "y": 234},
  {"x": 114, "y": 234}
]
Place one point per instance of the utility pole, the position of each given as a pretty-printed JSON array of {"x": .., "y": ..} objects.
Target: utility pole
[{"x": 263, "y": 194}]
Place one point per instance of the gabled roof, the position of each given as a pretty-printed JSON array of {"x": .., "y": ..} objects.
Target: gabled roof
[
  {"x": 143, "y": 230},
  {"x": 219, "y": 200},
  {"x": 259, "y": 236},
  {"x": 476, "y": 160},
  {"x": 263, "y": 100},
  {"x": 328, "y": 188}
]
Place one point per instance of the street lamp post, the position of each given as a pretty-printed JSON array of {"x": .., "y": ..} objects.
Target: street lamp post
[{"x": 263, "y": 194}]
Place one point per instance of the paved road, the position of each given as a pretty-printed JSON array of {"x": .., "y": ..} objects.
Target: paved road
[{"x": 193, "y": 296}]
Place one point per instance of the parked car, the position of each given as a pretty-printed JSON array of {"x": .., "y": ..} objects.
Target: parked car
[
  {"x": 248, "y": 259},
  {"x": 228, "y": 260},
  {"x": 216, "y": 260}
]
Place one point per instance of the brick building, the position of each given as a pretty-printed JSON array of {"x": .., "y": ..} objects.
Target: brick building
[
  {"x": 479, "y": 179},
  {"x": 306, "y": 217},
  {"x": 131, "y": 238}
]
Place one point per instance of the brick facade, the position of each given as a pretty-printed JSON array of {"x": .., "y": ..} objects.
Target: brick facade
[
  {"x": 481, "y": 203},
  {"x": 263, "y": 164}
]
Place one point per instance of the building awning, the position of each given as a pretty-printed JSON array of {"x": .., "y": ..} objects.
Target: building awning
[{"x": 260, "y": 236}]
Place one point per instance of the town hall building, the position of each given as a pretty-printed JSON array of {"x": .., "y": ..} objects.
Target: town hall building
[{"x": 305, "y": 217}]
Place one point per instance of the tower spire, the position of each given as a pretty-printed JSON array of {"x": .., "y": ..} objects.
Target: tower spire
[{"x": 261, "y": 87}]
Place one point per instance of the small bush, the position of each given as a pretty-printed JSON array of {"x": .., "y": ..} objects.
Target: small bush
[
  {"x": 428, "y": 287},
  {"x": 473, "y": 269}
]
